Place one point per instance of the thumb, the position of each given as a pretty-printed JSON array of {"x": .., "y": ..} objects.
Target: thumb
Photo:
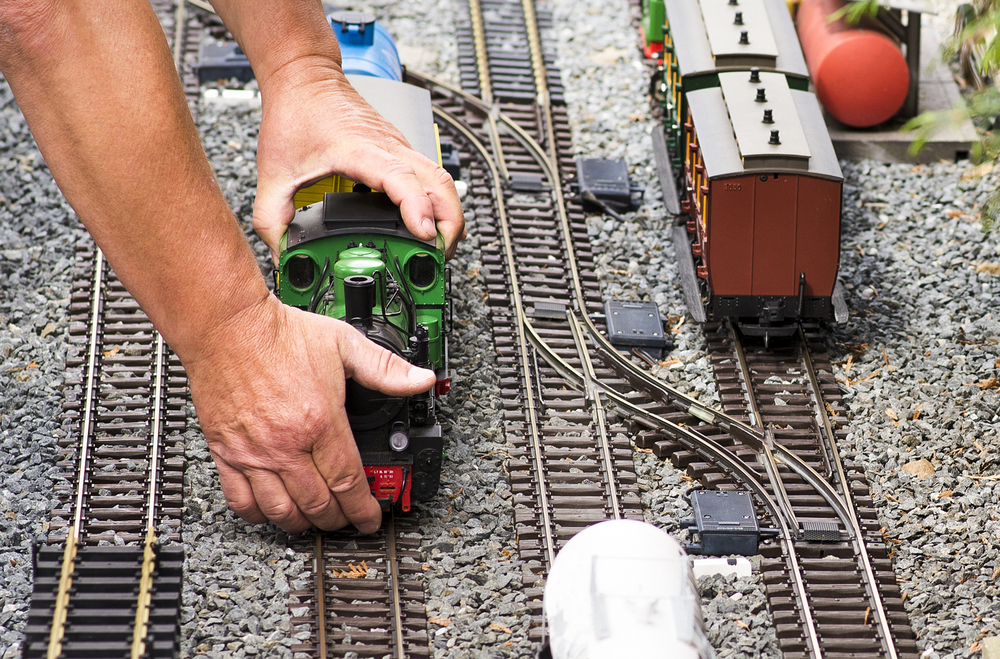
[
  {"x": 273, "y": 211},
  {"x": 379, "y": 369}
]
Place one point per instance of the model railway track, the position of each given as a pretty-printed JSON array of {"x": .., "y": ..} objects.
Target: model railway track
[
  {"x": 367, "y": 595},
  {"x": 495, "y": 53},
  {"x": 94, "y": 591},
  {"x": 726, "y": 452},
  {"x": 790, "y": 390},
  {"x": 126, "y": 392},
  {"x": 571, "y": 466},
  {"x": 105, "y": 585}
]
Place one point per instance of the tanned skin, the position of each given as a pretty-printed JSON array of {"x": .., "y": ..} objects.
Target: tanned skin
[{"x": 97, "y": 85}]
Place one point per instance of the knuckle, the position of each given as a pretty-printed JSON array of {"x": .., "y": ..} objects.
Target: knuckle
[
  {"x": 440, "y": 176},
  {"x": 385, "y": 363},
  {"x": 280, "y": 512},
  {"x": 315, "y": 508},
  {"x": 244, "y": 507},
  {"x": 398, "y": 168},
  {"x": 345, "y": 482}
]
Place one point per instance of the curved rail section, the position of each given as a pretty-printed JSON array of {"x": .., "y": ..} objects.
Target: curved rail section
[
  {"x": 557, "y": 425},
  {"x": 742, "y": 451}
]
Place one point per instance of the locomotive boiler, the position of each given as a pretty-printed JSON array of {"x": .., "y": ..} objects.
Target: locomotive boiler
[
  {"x": 348, "y": 255},
  {"x": 744, "y": 144}
]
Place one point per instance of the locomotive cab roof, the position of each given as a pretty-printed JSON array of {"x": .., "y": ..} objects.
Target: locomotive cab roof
[{"x": 343, "y": 213}]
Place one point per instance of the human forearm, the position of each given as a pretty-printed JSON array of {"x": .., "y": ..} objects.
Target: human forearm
[
  {"x": 96, "y": 83},
  {"x": 283, "y": 39}
]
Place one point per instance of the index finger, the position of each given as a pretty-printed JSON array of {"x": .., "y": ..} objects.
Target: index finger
[
  {"x": 417, "y": 181},
  {"x": 447, "y": 207},
  {"x": 447, "y": 212}
]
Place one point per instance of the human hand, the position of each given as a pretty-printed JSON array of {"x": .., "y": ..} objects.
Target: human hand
[
  {"x": 314, "y": 123},
  {"x": 269, "y": 390}
]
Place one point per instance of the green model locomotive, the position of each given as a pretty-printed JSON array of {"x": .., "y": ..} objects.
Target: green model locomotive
[
  {"x": 351, "y": 257},
  {"x": 348, "y": 255}
]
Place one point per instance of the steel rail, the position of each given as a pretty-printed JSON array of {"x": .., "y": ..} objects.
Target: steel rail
[
  {"x": 320, "y": 596},
  {"x": 827, "y": 426},
  {"x": 594, "y": 396},
  {"x": 397, "y": 610},
  {"x": 543, "y": 99},
  {"x": 870, "y": 579},
  {"x": 482, "y": 61},
  {"x": 766, "y": 452},
  {"x": 522, "y": 322},
  {"x": 741, "y": 361},
  {"x": 180, "y": 17},
  {"x": 141, "y": 629},
  {"x": 485, "y": 88},
  {"x": 74, "y": 535},
  {"x": 87, "y": 424}
]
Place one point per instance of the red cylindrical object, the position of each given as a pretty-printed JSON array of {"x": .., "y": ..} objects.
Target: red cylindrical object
[{"x": 860, "y": 75}]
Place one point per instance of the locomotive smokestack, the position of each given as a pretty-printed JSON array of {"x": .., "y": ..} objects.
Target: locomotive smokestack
[
  {"x": 419, "y": 347},
  {"x": 359, "y": 298}
]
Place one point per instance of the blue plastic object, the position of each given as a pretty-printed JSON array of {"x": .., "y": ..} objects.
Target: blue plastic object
[{"x": 366, "y": 47}]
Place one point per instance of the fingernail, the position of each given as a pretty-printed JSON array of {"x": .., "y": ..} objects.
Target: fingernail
[
  {"x": 428, "y": 225},
  {"x": 419, "y": 375}
]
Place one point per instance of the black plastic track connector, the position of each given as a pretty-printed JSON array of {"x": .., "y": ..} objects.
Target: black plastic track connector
[
  {"x": 636, "y": 325},
  {"x": 725, "y": 522},
  {"x": 604, "y": 186}
]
